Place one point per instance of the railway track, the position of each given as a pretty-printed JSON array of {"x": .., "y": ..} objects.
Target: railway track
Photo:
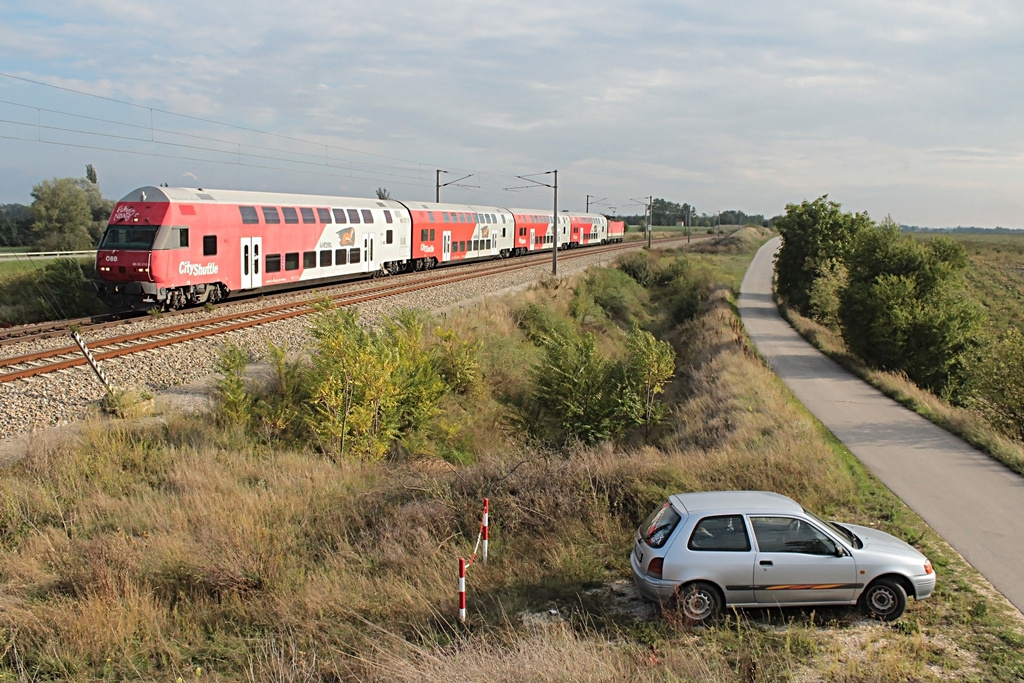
[{"x": 42, "y": 362}]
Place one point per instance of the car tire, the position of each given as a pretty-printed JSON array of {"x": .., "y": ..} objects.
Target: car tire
[
  {"x": 699, "y": 603},
  {"x": 885, "y": 599}
]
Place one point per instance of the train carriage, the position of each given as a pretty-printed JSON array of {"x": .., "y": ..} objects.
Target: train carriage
[
  {"x": 535, "y": 230},
  {"x": 170, "y": 247},
  {"x": 448, "y": 233},
  {"x": 587, "y": 229}
]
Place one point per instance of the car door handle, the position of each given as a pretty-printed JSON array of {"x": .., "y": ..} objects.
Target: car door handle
[{"x": 767, "y": 563}]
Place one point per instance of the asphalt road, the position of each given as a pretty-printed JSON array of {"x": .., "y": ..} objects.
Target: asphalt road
[{"x": 972, "y": 501}]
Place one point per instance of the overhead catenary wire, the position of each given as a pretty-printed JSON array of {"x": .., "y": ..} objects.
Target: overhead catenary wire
[{"x": 378, "y": 167}]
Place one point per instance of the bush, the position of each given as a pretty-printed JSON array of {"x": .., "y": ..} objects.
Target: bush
[
  {"x": 903, "y": 307},
  {"x": 51, "y": 293},
  {"x": 995, "y": 383},
  {"x": 637, "y": 265}
]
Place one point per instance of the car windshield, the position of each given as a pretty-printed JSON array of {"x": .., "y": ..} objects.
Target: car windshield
[
  {"x": 659, "y": 525},
  {"x": 850, "y": 537},
  {"x": 125, "y": 237}
]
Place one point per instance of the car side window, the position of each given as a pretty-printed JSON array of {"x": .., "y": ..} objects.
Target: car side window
[
  {"x": 790, "y": 535},
  {"x": 724, "y": 534}
]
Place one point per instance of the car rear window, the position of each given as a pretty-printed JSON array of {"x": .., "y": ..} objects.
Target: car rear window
[{"x": 659, "y": 525}]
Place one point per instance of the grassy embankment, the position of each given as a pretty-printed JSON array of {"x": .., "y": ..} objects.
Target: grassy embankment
[
  {"x": 195, "y": 550},
  {"x": 996, "y": 280}
]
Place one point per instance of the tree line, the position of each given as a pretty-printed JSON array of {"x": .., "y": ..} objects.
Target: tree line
[
  {"x": 901, "y": 305},
  {"x": 666, "y": 212},
  {"x": 66, "y": 214}
]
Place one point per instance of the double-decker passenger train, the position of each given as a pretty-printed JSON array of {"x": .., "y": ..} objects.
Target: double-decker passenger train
[{"x": 168, "y": 247}]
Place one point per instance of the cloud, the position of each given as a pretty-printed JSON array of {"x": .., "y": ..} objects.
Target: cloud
[{"x": 744, "y": 104}]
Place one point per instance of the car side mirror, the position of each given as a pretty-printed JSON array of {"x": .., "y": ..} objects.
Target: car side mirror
[{"x": 840, "y": 551}]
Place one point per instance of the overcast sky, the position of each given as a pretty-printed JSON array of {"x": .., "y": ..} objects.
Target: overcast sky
[{"x": 911, "y": 109}]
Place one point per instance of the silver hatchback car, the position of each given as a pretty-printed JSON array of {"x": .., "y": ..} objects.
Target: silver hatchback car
[{"x": 705, "y": 551}]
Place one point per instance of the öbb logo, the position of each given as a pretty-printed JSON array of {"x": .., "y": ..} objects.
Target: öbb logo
[{"x": 189, "y": 268}]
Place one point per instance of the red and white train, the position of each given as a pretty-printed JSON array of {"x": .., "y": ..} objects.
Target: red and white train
[{"x": 168, "y": 247}]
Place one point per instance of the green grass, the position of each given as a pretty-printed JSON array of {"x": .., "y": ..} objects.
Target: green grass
[{"x": 23, "y": 266}]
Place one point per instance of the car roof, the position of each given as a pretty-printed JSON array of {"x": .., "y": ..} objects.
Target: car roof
[{"x": 735, "y": 501}]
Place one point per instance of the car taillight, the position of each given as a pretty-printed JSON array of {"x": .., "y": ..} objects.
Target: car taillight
[
  {"x": 928, "y": 567},
  {"x": 656, "y": 566}
]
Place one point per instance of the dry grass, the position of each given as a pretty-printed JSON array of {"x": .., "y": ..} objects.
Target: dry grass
[
  {"x": 970, "y": 426},
  {"x": 182, "y": 550}
]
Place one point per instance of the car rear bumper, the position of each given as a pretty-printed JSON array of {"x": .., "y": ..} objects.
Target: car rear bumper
[{"x": 650, "y": 588}]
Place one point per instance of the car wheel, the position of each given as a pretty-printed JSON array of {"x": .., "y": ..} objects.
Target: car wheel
[
  {"x": 699, "y": 602},
  {"x": 884, "y": 600}
]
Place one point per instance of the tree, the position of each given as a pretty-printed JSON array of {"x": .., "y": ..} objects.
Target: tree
[
  {"x": 15, "y": 225},
  {"x": 382, "y": 193},
  {"x": 99, "y": 207},
  {"x": 61, "y": 215},
  {"x": 903, "y": 307},
  {"x": 813, "y": 234}
]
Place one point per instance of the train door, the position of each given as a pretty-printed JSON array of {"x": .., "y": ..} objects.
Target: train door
[
  {"x": 446, "y": 246},
  {"x": 368, "y": 257},
  {"x": 251, "y": 250},
  {"x": 533, "y": 237}
]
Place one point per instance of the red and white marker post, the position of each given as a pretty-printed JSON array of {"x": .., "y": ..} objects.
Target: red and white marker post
[
  {"x": 463, "y": 565},
  {"x": 462, "y": 590},
  {"x": 483, "y": 530}
]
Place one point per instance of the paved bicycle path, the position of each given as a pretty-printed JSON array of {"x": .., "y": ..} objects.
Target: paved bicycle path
[{"x": 972, "y": 501}]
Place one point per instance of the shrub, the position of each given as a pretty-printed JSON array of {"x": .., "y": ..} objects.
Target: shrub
[
  {"x": 995, "y": 383},
  {"x": 903, "y": 307},
  {"x": 637, "y": 265}
]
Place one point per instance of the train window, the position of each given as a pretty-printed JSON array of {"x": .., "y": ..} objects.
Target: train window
[
  {"x": 367, "y": 216},
  {"x": 291, "y": 261},
  {"x": 353, "y": 256},
  {"x": 324, "y": 215},
  {"x": 182, "y": 237},
  {"x": 444, "y": 216},
  {"x": 270, "y": 215},
  {"x": 430, "y": 215},
  {"x": 502, "y": 231},
  {"x": 209, "y": 245},
  {"x": 339, "y": 216},
  {"x": 476, "y": 245},
  {"x": 340, "y": 257},
  {"x": 431, "y": 234},
  {"x": 423, "y": 235},
  {"x": 389, "y": 237},
  {"x": 307, "y": 215},
  {"x": 325, "y": 258},
  {"x": 462, "y": 246},
  {"x": 309, "y": 259},
  {"x": 353, "y": 215},
  {"x": 290, "y": 214},
  {"x": 273, "y": 263},
  {"x": 249, "y": 215},
  {"x": 387, "y": 216}
]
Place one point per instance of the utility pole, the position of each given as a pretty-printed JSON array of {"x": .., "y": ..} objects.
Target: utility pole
[
  {"x": 650, "y": 223},
  {"x": 596, "y": 201},
  {"x": 554, "y": 219},
  {"x": 438, "y": 185}
]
